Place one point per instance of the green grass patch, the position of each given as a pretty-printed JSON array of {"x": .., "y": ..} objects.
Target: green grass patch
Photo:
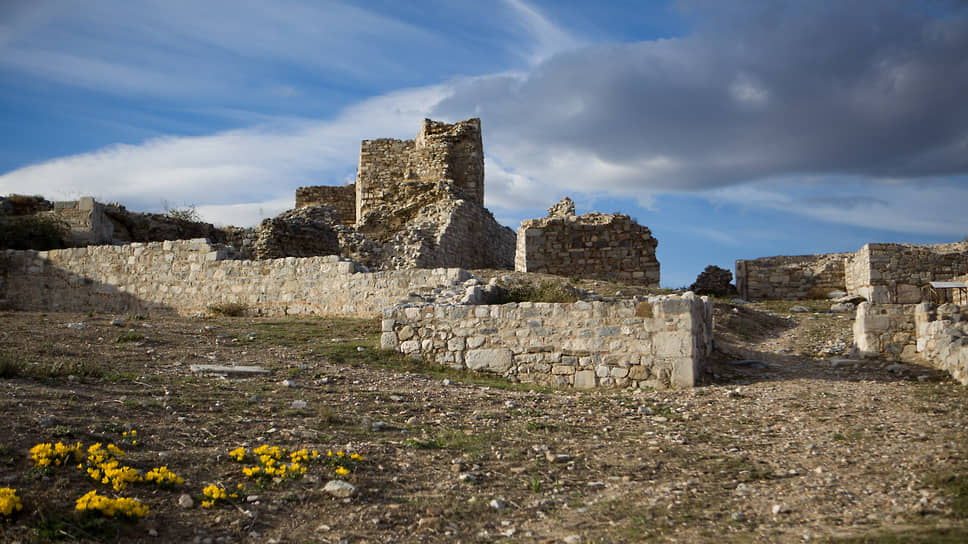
[
  {"x": 130, "y": 336},
  {"x": 956, "y": 487}
]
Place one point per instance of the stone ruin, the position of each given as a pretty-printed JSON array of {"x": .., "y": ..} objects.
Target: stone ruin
[
  {"x": 897, "y": 319},
  {"x": 592, "y": 245},
  {"x": 416, "y": 204}
]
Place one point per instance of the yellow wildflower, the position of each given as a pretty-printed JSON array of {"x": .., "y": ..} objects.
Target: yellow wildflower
[
  {"x": 342, "y": 471},
  {"x": 9, "y": 501}
]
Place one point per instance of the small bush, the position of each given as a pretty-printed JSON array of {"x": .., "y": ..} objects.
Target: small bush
[
  {"x": 10, "y": 367},
  {"x": 39, "y": 232},
  {"x": 188, "y": 213},
  {"x": 228, "y": 309},
  {"x": 548, "y": 291},
  {"x": 130, "y": 337}
]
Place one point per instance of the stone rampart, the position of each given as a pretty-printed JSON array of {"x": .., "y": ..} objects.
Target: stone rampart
[
  {"x": 593, "y": 245},
  {"x": 342, "y": 198},
  {"x": 188, "y": 276},
  {"x": 898, "y": 273},
  {"x": 790, "y": 277},
  {"x": 943, "y": 338},
  {"x": 660, "y": 342}
]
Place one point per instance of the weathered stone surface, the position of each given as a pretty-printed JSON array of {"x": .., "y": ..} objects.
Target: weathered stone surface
[
  {"x": 187, "y": 276},
  {"x": 564, "y": 208},
  {"x": 342, "y": 199},
  {"x": 593, "y": 245},
  {"x": 491, "y": 360},
  {"x": 302, "y": 232},
  {"x": 581, "y": 344},
  {"x": 790, "y": 277}
]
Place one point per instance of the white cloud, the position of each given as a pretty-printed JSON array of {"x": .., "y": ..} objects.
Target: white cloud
[{"x": 232, "y": 171}]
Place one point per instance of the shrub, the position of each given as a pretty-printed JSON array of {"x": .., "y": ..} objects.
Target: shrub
[
  {"x": 188, "y": 213},
  {"x": 39, "y": 232},
  {"x": 547, "y": 291}
]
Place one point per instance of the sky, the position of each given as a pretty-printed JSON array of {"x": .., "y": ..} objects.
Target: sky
[{"x": 733, "y": 130}]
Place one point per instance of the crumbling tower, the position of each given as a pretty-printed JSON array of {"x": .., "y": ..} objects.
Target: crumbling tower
[{"x": 441, "y": 151}]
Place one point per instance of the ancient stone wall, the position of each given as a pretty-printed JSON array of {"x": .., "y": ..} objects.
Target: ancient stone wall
[
  {"x": 185, "y": 277},
  {"x": 943, "y": 337},
  {"x": 86, "y": 219},
  {"x": 593, "y": 245},
  {"x": 898, "y": 273},
  {"x": 660, "y": 342},
  {"x": 885, "y": 330},
  {"x": 382, "y": 162},
  {"x": 441, "y": 151},
  {"x": 342, "y": 198},
  {"x": 790, "y": 277},
  {"x": 453, "y": 152}
]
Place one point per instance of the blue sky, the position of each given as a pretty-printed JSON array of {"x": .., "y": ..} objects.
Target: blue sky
[{"x": 731, "y": 129}]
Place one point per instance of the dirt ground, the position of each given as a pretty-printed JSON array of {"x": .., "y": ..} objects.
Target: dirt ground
[{"x": 802, "y": 443}]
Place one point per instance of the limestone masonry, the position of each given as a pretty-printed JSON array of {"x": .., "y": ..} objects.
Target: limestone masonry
[
  {"x": 428, "y": 313},
  {"x": 921, "y": 333},
  {"x": 660, "y": 342},
  {"x": 341, "y": 198},
  {"x": 881, "y": 273},
  {"x": 897, "y": 273},
  {"x": 187, "y": 276},
  {"x": 790, "y": 277},
  {"x": 592, "y": 245}
]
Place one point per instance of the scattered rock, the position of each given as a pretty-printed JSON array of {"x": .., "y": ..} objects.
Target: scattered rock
[
  {"x": 287, "y": 383},
  {"x": 799, "y": 309},
  {"x": 185, "y": 501},
  {"x": 299, "y": 404},
  {"x": 76, "y": 326},
  {"x": 341, "y": 489},
  {"x": 557, "y": 458},
  {"x": 843, "y": 307},
  {"x": 497, "y": 504}
]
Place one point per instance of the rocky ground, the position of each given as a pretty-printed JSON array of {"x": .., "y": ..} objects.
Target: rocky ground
[{"x": 788, "y": 440}]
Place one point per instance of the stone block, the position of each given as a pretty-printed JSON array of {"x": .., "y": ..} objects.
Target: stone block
[
  {"x": 491, "y": 360},
  {"x": 585, "y": 379},
  {"x": 388, "y": 340},
  {"x": 410, "y": 346}
]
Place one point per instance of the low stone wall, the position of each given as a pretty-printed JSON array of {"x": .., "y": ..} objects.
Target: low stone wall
[
  {"x": 943, "y": 338},
  {"x": 660, "y": 342},
  {"x": 593, "y": 245},
  {"x": 187, "y": 276},
  {"x": 791, "y": 277},
  {"x": 342, "y": 198},
  {"x": 886, "y": 330}
]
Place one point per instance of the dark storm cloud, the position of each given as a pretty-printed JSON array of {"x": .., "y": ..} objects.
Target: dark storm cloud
[{"x": 871, "y": 89}]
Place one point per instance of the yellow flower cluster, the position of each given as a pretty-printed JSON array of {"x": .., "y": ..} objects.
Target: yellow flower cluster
[
  {"x": 342, "y": 461},
  {"x": 214, "y": 493},
  {"x": 9, "y": 501},
  {"x": 47, "y": 455},
  {"x": 131, "y": 437},
  {"x": 123, "y": 507},
  {"x": 103, "y": 466},
  {"x": 163, "y": 477},
  {"x": 271, "y": 464}
]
